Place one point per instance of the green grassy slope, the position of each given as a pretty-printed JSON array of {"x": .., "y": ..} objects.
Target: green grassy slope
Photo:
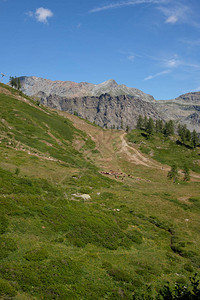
[
  {"x": 166, "y": 150},
  {"x": 125, "y": 240}
]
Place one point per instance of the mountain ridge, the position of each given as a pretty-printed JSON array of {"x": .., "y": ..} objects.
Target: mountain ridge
[
  {"x": 184, "y": 109},
  {"x": 69, "y": 89}
]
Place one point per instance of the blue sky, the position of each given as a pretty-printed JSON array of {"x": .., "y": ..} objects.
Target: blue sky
[{"x": 153, "y": 45}]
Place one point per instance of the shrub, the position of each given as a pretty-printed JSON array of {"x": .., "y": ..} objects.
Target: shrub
[
  {"x": 6, "y": 290},
  {"x": 116, "y": 273},
  {"x": 36, "y": 254},
  {"x": 7, "y": 245},
  {"x": 135, "y": 236},
  {"x": 3, "y": 224},
  {"x": 188, "y": 267}
]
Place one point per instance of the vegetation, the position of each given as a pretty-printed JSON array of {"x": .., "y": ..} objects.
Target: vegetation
[
  {"x": 165, "y": 146},
  {"x": 173, "y": 173},
  {"x": 151, "y": 127},
  {"x": 15, "y": 82},
  {"x": 131, "y": 239}
]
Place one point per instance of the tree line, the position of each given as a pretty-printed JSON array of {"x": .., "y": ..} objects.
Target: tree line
[
  {"x": 15, "y": 82},
  {"x": 158, "y": 126},
  {"x": 188, "y": 137},
  {"x": 167, "y": 128}
]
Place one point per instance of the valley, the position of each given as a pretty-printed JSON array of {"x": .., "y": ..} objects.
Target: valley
[{"x": 88, "y": 212}]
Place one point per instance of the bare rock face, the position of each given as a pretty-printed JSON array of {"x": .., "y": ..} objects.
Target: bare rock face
[{"x": 105, "y": 110}]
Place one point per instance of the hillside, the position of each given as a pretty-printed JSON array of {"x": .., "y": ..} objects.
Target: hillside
[
  {"x": 85, "y": 214},
  {"x": 109, "y": 104}
]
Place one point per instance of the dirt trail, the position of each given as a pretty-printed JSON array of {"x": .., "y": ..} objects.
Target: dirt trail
[
  {"x": 112, "y": 143},
  {"x": 134, "y": 155}
]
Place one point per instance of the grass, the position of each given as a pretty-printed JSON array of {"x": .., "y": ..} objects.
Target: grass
[
  {"x": 166, "y": 150},
  {"x": 126, "y": 241}
]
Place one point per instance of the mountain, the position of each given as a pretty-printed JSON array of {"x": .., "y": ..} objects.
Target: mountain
[
  {"x": 105, "y": 110},
  {"x": 184, "y": 109},
  {"x": 33, "y": 85},
  {"x": 88, "y": 213},
  {"x": 109, "y": 104}
]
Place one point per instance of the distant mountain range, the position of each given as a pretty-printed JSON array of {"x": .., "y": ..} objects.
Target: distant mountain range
[{"x": 111, "y": 105}]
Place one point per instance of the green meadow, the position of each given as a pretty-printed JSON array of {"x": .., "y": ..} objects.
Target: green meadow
[{"x": 126, "y": 240}]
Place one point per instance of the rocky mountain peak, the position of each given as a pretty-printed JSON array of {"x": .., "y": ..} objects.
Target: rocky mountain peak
[
  {"x": 109, "y": 83},
  {"x": 69, "y": 89}
]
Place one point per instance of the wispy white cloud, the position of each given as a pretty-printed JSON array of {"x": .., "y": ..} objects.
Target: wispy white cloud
[
  {"x": 131, "y": 57},
  {"x": 192, "y": 43},
  {"x": 172, "y": 63},
  {"x": 157, "y": 74},
  {"x": 179, "y": 12},
  {"x": 126, "y": 3},
  {"x": 41, "y": 14},
  {"x": 175, "y": 62},
  {"x": 172, "y": 19},
  {"x": 175, "y": 12},
  {"x": 78, "y": 25}
]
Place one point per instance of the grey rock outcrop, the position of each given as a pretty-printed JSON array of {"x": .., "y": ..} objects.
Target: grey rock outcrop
[
  {"x": 105, "y": 110},
  {"x": 184, "y": 109}
]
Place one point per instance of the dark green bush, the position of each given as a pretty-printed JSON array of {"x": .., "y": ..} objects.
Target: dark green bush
[
  {"x": 7, "y": 245},
  {"x": 135, "y": 236},
  {"x": 36, "y": 254},
  {"x": 119, "y": 275},
  {"x": 6, "y": 290},
  {"x": 188, "y": 267},
  {"x": 3, "y": 224}
]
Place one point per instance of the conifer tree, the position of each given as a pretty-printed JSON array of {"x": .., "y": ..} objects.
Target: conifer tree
[
  {"x": 18, "y": 83},
  {"x": 168, "y": 128},
  {"x": 194, "y": 139},
  {"x": 150, "y": 126},
  {"x": 140, "y": 122},
  {"x": 186, "y": 172},
  {"x": 15, "y": 82},
  {"x": 188, "y": 135},
  {"x": 145, "y": 121},
  {"x": 159, "y": 126},
  {"x": 173, "y": 173}
]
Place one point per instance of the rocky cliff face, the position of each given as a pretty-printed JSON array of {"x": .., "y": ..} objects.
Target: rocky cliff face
[
  {"x": 109, "y": 104},
  {"x": 105, "y": 110}
]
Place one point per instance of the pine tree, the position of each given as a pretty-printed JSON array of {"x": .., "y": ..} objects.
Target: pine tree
[
  {"x": 182, "y": 129},
  {"x": 12, "y": 81},
  {"x": 168, "y": 128},
  {"x": 15, "y": 82},
  {"x": 188, "y": 135},
  {"x": 18, "y": 82},
  {"x": 173, "y": 173},
  {"x": 150, "y": 127},
  {"x": 145, "y": 121},
  {"x": 140, "y": 122},
  {"x": 159, "y": 126},
  {"x": 194, "y": 139},
  {"x": 186, "y": 172}
]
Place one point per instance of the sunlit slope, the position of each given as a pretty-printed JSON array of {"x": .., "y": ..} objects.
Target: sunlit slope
[
  {"x": 40, "y": 132},
  {"x": 69, "y": 232}
]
